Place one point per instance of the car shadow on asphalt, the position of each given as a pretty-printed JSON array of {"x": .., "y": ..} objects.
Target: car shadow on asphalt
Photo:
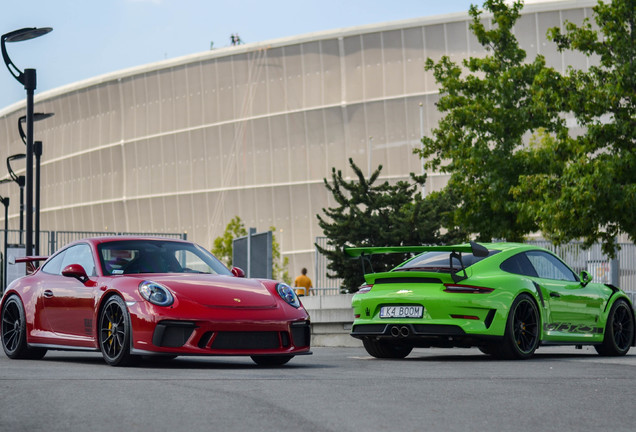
[
  {"x": 188, "y": 362},
  {"x": 486, "y": 358}
]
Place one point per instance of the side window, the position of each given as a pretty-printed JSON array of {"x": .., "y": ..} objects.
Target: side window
[
  {"x": 550, "y": 267},
  {"x": 80, "y": 254},
  {"x": 54, "y": 265},
  {"x": 519, "y": 264}
]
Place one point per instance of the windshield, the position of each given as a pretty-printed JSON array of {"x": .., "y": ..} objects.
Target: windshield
[
  {"x": 157, "y": 256},
  {"x": 439, "y": 262}
]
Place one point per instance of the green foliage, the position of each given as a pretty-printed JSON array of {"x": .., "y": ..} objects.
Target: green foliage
[
  {"x": 488, "y": 110},
  {"x": 223, "y": 245},
  {"x": 372, "y": 214},
  {"x": 590, "y": 190},
  {"x": 223, "y": 249},
  {"x": 280, "y": 264}
]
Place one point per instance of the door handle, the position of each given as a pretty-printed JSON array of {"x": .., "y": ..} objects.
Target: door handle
[
  {"x": 48, "y": 293},
  {"x": 555, "y": 294}
]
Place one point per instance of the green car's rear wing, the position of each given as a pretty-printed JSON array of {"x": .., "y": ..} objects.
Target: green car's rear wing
[
  {"x": 474, "y": 248},
  {"x": 455, "y": 253}
]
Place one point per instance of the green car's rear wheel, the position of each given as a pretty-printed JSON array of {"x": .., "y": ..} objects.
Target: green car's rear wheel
[
  {"x": 380, "y": 349},
  {"x": 619, "y": 331},
  {"x": 521, "y": 337}
]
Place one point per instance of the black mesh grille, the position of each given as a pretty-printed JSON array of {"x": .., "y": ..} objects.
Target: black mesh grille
[
  {"x": 172, "y": 334},
  {"x": 301, "y": 335},
  {"x": 438, "y": 329},
  {"x": 246, "y": 340},
  {"x": 369, "y": 328}
]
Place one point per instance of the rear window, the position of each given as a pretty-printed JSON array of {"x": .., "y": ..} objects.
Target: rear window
[{"x": 440, "y": 261}]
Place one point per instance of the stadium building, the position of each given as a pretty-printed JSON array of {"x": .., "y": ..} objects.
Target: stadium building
[{"x": 186, "y": 144}]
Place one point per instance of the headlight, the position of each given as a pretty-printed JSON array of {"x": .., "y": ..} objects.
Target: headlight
[
  {"x": 288, "y": 294},
  {"x": 156, "y": 293}
]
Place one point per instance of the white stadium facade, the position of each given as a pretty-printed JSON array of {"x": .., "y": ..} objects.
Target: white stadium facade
[{"x": 184, "y": 145}]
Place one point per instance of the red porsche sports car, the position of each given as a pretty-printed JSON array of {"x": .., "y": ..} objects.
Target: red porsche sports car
[{"x": 130, "y": 297}]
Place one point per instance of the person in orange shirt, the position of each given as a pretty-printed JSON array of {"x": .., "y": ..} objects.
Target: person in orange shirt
[{"x": 302, "y": 283}]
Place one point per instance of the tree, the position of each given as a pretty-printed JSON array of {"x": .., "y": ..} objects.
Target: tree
[
  {"x": 235, "y": 229},
  {"x": 223, "y": 245},
  {"x": 488, "y": 110},
  {"x": 280, "y": 264},
  {"x": 384, "y": 214},
  {"x": 590, "y": 190}
]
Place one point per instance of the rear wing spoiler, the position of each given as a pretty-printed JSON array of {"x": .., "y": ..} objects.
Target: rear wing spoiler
[
  {"x": 456, "y": 253},
  {"x": 31, "y": 262},
  {"x": 474, "y": 248},
  {"x": 27, "y": 259}
]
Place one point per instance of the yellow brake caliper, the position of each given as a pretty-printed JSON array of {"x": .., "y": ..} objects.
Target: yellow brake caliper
[{"x": 110, "y": 332}]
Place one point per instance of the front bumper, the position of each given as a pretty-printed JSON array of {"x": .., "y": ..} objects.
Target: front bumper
[{"x": 220, "y": 332}]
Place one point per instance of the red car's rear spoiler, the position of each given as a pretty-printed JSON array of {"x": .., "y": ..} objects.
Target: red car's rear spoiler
[{"x": 29, "y": 260}]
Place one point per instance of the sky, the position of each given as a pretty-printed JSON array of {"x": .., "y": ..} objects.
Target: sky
[{"x": 95, "y": 37}]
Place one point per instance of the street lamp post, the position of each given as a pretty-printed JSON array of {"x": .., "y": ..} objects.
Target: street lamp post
[
  {"x": 28, "y": 79},
  {"x": 37, "y": 152},
  {"x": 5, "y": 203},
  {"x": 20, "y": 181}
]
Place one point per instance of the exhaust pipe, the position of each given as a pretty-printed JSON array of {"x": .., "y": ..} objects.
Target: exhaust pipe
[
  {"x": 404, "y": 331},
  {"x": 395, "y": 331}
]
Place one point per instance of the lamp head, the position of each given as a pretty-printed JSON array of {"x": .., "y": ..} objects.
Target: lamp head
[
  {"x": 11, "y": 158},
  {"x": 25, "y": 34},
  {"x": 36, "y": 117},
  {"x": 18, "y": 36}
]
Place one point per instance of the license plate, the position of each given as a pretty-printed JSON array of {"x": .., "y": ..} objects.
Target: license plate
[{"x": 401, "y": 311}]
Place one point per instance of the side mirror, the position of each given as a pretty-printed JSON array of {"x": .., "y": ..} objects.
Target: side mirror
[
  {"x": 75, "y": 271},
  {"x": 238, "y": 272},
  {"x": 586, "y": 278}
]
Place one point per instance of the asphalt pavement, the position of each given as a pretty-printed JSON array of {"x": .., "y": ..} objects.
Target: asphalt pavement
[{"x": 335, "y": 389}]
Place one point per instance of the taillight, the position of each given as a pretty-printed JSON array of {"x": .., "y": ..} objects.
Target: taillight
[
  {"x": 365, "y": 288},
  {"x": 471, "y": 317},
  {"x": 466, "y": 289}
]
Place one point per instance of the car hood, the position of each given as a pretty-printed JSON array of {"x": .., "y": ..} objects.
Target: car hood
[{"x": 217, "y": 291}]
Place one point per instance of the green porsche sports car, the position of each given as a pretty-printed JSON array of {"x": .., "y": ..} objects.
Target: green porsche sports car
[{"x": 505, "y": 298}]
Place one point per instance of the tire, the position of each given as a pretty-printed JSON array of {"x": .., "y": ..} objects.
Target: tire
[
  {"x": 619, "y": 330},
  {"x": 521, "y": 337},
  {"x": 384, "y": 350},
  {"x": 115, "y": 333},
  {"x": 14, "y": 332},
  {"x": 275, "y": 360}
]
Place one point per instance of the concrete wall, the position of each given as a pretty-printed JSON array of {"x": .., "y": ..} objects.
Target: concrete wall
[{"x": 331, "y": 319}]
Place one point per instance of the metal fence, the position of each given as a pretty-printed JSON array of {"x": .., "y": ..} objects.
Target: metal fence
[
  {"x": 620, "y": 271},
  {"x": 324, "y": 285}
]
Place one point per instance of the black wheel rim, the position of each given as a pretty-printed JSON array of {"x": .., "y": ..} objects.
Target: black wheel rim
[
  {"x": 11, "y": 326},
  {"x": 526, "y": 329},
  {"x": 112, "y": 330},
  {"x": 622, "y": 328}
]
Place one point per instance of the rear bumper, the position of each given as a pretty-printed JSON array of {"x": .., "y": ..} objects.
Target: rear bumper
[{"x": 421, "y": 335}]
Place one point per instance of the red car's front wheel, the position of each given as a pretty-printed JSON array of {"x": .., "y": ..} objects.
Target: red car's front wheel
[{"x": 114, "y": 333}]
